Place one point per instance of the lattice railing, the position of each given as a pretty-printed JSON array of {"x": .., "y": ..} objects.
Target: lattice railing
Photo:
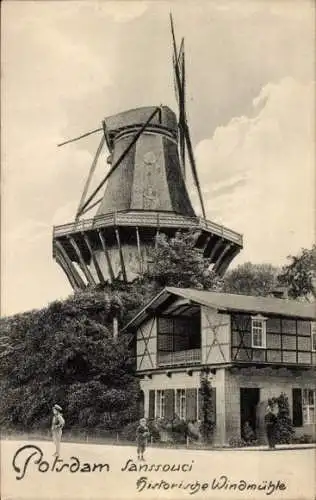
[
  {"x": 191, "y": 356},
  {"x": 145, "y": 219}
]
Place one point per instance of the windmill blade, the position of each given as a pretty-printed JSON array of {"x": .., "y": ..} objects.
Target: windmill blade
[
  {"x": 173, "y": 37},
  {"x": 180, "y": 56},
  {"x": 184, "y": 139},
  {"x": 92, "y": 206},
  {"x": 193, "y": 165},
  {"x": 176, "y": 63},
  {"x": 182, "y": 112},
  {"x": 175, "y": 85},
  {"x": 179, "y": 82},
  {"x": 90, "y": 175},
  {"x": 80, "y": 137}
]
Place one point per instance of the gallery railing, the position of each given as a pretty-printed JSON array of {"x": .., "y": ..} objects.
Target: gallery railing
[
  {"x": 191, "y": 356},
  {"x": 145, "y": 219}
]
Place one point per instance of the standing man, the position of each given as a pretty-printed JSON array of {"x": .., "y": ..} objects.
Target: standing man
[
  {"x": 58, "y": 423},
  {"x": 270, "y": 421}
]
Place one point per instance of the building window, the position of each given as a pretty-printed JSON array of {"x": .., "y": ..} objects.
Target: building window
[
  {"x": 181, "y": 404},
  {"x": 313, "y": 334},
  {"x": 160, "y": 406},
  {"x": 258, "y": 331},
  {"x": 309, "y": 397}
]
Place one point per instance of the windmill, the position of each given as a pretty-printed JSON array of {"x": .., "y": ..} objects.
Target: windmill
[{"x": 144, "y": 193}]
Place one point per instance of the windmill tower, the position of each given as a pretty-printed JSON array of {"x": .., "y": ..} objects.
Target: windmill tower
[{"x": 145, "y": 193}]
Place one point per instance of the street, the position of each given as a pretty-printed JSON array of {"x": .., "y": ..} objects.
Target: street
[{"x": 92, "y": 471}]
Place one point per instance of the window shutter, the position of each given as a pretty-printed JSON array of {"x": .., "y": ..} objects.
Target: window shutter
[
  {"x": 297, "y": 408},
  {"x": 169, "y": 403},
  {"x": 190, "y": 397},
  {"x": 151, "y": 412}
]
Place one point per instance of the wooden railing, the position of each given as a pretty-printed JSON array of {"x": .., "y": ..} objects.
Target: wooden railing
[
  {"x": 191, "y": 356},
  {"x": 145, "y": 219}
]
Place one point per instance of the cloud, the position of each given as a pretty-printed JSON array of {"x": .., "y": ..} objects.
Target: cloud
[
  {"x": 259, "y": 172},
  {"x": 66, "y": 65},
  {"x": 122, "y": 12}
]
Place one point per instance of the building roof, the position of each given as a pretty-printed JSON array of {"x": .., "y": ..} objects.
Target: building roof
[{"x": 230, "y": 302}]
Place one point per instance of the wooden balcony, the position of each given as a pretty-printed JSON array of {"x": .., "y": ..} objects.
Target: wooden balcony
[
  {"x": 189, "y": 357},
  {"x": 148, "y": 219}
]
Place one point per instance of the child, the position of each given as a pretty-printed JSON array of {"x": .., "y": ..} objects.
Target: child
[
  {"x": 142, "y": 433},
  {"x": 58, "y": 423}
]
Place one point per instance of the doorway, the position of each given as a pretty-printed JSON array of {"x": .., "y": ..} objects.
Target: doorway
[{"x": 249, "y": 399}]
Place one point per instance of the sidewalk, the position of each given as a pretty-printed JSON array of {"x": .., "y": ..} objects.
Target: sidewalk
[
  {"x": 279, "y": 447},
  {"x": 192, "y": 446}
]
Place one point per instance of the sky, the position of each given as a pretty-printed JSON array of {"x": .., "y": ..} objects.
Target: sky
[{"x": 66, "y": 65}]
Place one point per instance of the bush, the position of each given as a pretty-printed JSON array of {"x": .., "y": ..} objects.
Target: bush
[
  {"x": 179, "y": 426},
  {"x": 129, "y": 431},
  {"x": 304, "y": 439},
  {"x": 175, "y": 430},
  {"x": 179, "y": 430},
  {"x": 154, "y": 431},
  {"x": 284, "y": 426},
  {"x": 237, "y": 442}
]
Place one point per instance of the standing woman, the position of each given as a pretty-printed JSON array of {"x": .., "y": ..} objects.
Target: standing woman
[
  {"x": 270, "y": 422},
  {"x": 58, "y": 423}
]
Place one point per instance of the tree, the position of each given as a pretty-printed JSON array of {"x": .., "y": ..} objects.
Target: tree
[
  {"x": 208, "y": 408},
  {"x": 65, "y": 354},
  {"x": 251, "y": 279},
  {"x": 177, "y": 262},
  {"x": 300, "y": 274}
]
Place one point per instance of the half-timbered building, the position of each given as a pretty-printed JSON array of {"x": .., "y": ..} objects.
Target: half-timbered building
[{"x": 253, "y": 348}]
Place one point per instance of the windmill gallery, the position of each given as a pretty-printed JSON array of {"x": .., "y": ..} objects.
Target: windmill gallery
[{"x": 252, "y": 348}]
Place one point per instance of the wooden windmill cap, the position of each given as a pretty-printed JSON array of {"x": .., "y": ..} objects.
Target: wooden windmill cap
[{"x": 139, "y": 116}]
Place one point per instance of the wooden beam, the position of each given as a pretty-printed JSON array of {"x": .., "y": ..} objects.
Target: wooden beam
[
  {"x": 193, "y": 165},
  {"x": 221, "y": 256},
  {"x": 90, "y": 175},
  {"x": 215, "y": 248},
  {"x": 107, "y": 257},
  {"x": 73, "y": 283},
  {"x": 107, "y": 137},
  {"x": 207, "y": 240},
  {"x": 70, "y": 265},
  {"x": 225, "y": 263},
  {"x": 139, "y": 252},
  {"x": 92, "y": 206},
  {"x": 80, "y": 137},
  {"x": 117, "y": 234},
  {"x": 94, "y": 259},
  {"x": 83, "y": 265},
  {"x": 182, "y": 109}
]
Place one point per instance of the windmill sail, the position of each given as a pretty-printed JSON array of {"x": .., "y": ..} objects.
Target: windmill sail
[{"x": 184, "y": 132}]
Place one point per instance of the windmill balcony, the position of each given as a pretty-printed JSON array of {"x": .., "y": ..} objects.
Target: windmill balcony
[
  {"x": 149, "y": 218},
  {"x": 187, "y": 357}
]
